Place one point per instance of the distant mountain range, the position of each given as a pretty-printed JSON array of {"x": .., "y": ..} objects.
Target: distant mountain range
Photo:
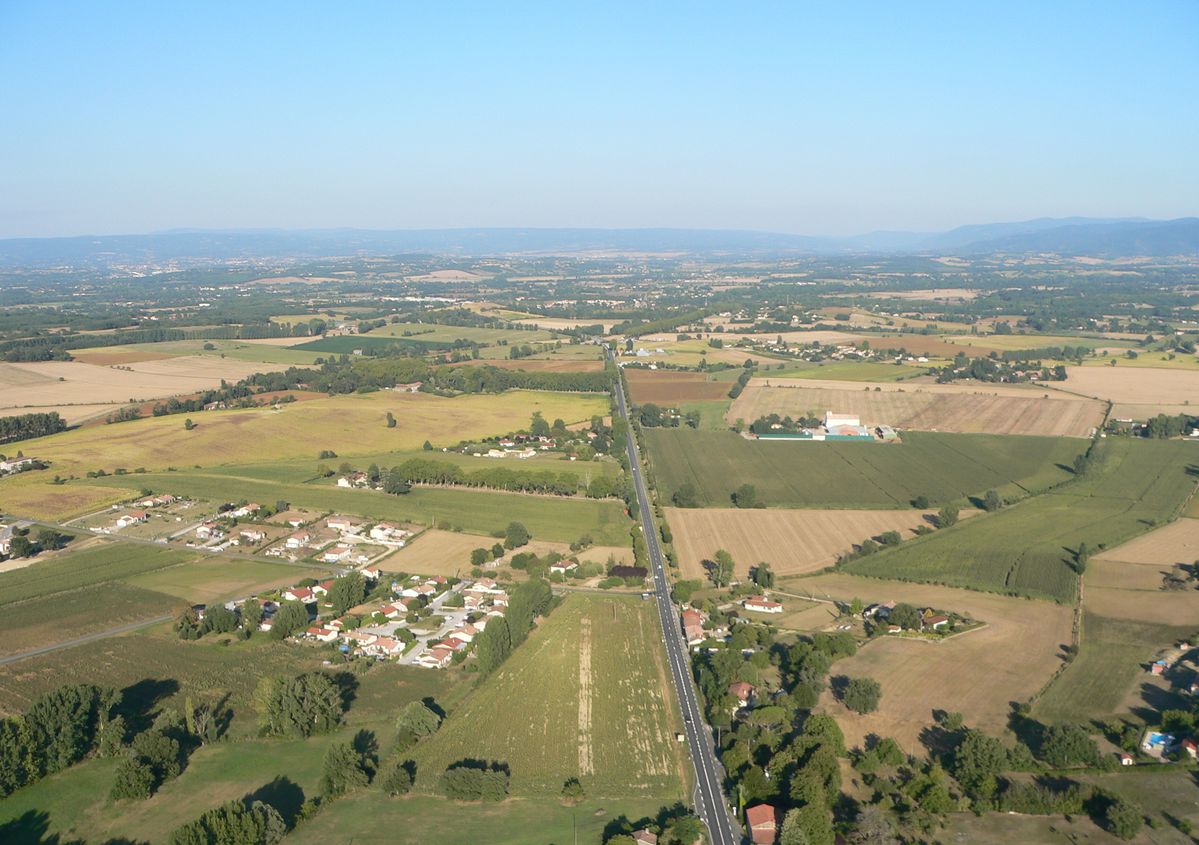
[{"x": 1069, "y": 236}]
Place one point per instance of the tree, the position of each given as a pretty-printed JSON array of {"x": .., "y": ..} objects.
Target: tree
[
  {"x": 977, "y": 761},
  {"x": 516, "y": 535},
  {"x": 347, "y": 591},
  {"x": 682, "y": 830},
  {"x": 49, "y": 539},
  {"x": 572, "y": 791},
  {"x": 418, "y": 718},
  {"x": 301, "y": 706},
  {"x": 920, "y": 503},
  {"x": 1068, "y": 745},
  {"x": 685, "y": 496},
  {"x": 497, "y": 551},
  {"x": 862, "y": 695},
  {"x": 1124, "y": 818},
  {"x": 19, "y": 546},
  {"x": 478, "y": 557},
  {"x": 218, "y": 619},
  {"x": 468, "y": 782},
  {"x": 1081, "y": 558},
  {"x": 947, "y": 516},
  {"x": 188, "y": 425},
  {"x": 762, "y": 576},
  {"x": 746, "y": 496},
  {"x": 991, "y": 501},
  {"x": 251, "y": 614},
  {"x": 291, "y": 616},
  {"x": 345, "y": 768},
  {"x": 538, "y": 427},
  {"x": 722, "y": 573},
  {"x": 905, "y": 616},
  {"x": 233, "y": 823},
  {"x": 872, "y": 828},
  {"x": 398, "y": 779}
]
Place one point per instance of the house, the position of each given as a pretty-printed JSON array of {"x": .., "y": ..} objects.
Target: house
[
  {"x": 880, "y": 611},
  {"x": 465, "y": 634},
  {"x": 320, "y": 634},
  {"x": 1125, "y": 759},
  {"x": 322, "y": 589},
  {"x": 208, "y": 531},
  {"x": 936, "y": 621},
  {"x": 693, "y": 627},
  {"x": 1158, "y": 667},
  {"x": 393, "y": 611},
  {"x": 1191, "y": 748},
  {"x": 245, "y": 510},
  {"x": 410, "y": 387},
  {"x": 252, "y": 535},
  {"x": 303, "y": 594},
  {"x": 385, "y": 647},
  {"x": 336, "y": 554},
  {"x": 762, "y": 821},
  {"x": 743, "y": 692},
  {"x": 132, "y": 518},
  {"x": 5, "y": 539},
  {"x": 645, "y": 837},
  {"x": 437, "y": 657},
  {"x": 384, "y": 531},
  {"x": 344, "y": 524},
  {"x": 370, "y": 573},
  {"x": 362, "y": 638},
  {"x": 564, "y": 567},
  {"x": 16, "y": 465},
  {"x": 354, "y": 479},
  {"x": 761, "y": 604}
]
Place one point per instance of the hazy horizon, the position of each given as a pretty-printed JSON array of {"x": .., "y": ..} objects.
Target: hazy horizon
[{"x": 829, "y": 123}]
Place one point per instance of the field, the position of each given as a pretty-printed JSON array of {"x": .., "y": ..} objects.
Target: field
[
  {"x": 871, "y": 371},
  {"x": 587, "y": 696},
  {"x": 943, "y": 467},
  {"x": 59, "y": 384},
  {"x": 72, "y": 414},
  {"x": 1016, "y": 342},
  {"x": 977, "y": 673},
  {"x": 1027, "y": 548},
  {"x": 663, "y": 387},
  {"x": 209, "y": 579},
  {"x": 792, "y": 542},
  {"x": 253, "y": 351},
  {"x": 542, "y": 365},
  {"x": 44, "y": 621},
  {"x": 86, "y": 568},
  {"x": 978, "y": 408},
  {"x": 422, "y": 332},
  {"x": 559, "y": 518},
  {"x": 437, "y": 552},
  {"x": 1139, "y": 392},
  {"x": 349, "y": 425}
]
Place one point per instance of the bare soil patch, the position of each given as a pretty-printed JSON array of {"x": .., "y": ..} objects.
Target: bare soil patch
[
  {"x": 666, "y": 387},
  {"x": 793, "y": 542},
  {"x": 977, "y": 673},
  {"x": 990, "y": 409}
]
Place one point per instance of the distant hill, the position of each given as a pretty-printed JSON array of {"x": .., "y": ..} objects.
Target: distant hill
[{"x": 1066, "y": 236}]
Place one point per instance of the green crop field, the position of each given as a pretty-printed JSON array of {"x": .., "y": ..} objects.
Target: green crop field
[
  {"x": 86, "y": 568},
  {"x": 1110, "y": 657},
  {"x": 1027, "y": 549},
  {"x": 346, "y": 344},
  {"x": 943, "y": 467},
  {"x": 426, "y": 332},
  {"x": 558, "y": 518},
  {"x": 587, "y": 696},
  {"x": 846, "y": 371},
  {"x": 211, "y": 578}
]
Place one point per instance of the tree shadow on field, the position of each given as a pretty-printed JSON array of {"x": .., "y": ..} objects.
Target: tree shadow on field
[
  {"x": 284, "y": 794},
  {"x": 139, "y": 701},
  {"x": 347, "y": 688},
  {"x": 33, "y": 828}
]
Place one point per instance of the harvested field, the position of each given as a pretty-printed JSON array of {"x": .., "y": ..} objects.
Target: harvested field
[
  {"x": 1177, "y": 542},
  {"x": 991, "y": 409},
  {"x": 664, "y": 387},
  {"x": 792, "y": 542},
  {"x": 533, "y": 365},
  {"x": 437, "y": 552},
  {"x": 1141, "y": 392},
  {"x": 586, "y": 696},
  {"x": 977, "y": 673},
  {"x": 72, "y": 414},
  {"x": 106, "y": 356}
]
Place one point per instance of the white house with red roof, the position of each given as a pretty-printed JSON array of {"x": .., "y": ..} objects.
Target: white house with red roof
[
  {"x": 321, "y": 634},
  {"x": 761, "y": 604},
  {"x": 132, "y": 518},
  {"x": 762, "y": 821},
  {"x": 303, "y": 594}
]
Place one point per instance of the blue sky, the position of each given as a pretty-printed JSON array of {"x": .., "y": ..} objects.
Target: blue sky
[{"x": 821, "y": 118}]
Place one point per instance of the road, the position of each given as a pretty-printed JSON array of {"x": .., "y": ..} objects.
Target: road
[
  {"x": 709, "y": 774},
  {"x": 99, "y": 635}
]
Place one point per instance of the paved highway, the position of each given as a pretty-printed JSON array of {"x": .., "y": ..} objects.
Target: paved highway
[{"x": 709, "y": 774}]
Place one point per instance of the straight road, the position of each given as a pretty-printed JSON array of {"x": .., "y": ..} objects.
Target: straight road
[
  {"x": 99, "y": 635},
  {"x": 709, "y": 774}
]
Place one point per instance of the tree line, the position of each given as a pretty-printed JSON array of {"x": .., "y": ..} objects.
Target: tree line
[{"x": 26, "y": 426}]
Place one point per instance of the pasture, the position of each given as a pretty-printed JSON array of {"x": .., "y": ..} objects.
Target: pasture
[
  {"x": 1028, "y": 548},
  {"x": 943, "y": 467},
  {"x": 977, "y": 673},
  {"x": 559, "y": 518},
  {"x": 977, "y": 408},
  {"x": 586, "y": 696},
  {"x": 793, "y": 542},
  {"x": 669, "y": 388}
]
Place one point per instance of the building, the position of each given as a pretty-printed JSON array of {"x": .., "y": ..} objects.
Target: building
[
  {"x": 761, "y": 604},
  {"x": 300, "y": 594},
  {"x": 16, "y": 465},
  {"x": 298, "y": 540},
  {"x": 832, "y": 420},
  {"x": 564, "y": 567},
  {"x": 645, "y": 837},
  {"x": 320, "y": 634},
  {"x": 336, "y": 554},
  {"x": 743, "y": 692},
  {"x": 762, "y": 821},
  {"x": 344, "y": 524},
  {"x": 693, "y": 627}
]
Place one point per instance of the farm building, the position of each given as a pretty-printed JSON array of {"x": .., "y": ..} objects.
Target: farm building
[
  {"x": 761, "y": 604},
  {"x": 832, "y": 420}
]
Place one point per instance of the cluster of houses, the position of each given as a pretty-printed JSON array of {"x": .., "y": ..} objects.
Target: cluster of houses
[
  {"x": 344, "y": 549},
  {"x": 12, "y": 466},
  {"x": 931, "y": 619},
  {"x": 453, "y": 632}
]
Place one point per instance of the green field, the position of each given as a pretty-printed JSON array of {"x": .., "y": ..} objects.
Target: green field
[
  {"x": 1027, "y": 549},
  {"x": 432, "y": 332},
  {"x": 711, "y": 413},
  {"x": 587, "y": 696},
  {"x": 943, "y": 467},
  {"x": 239, "y": 350},
  {"x": 211, "y": 578},
  {"x": 85, "y": 568},
  {"x": 346, "y": 344},
  {"x": 846, "y": 371},
  {"x": 558, "y": 518},
  {"x": 1112, "y": 653},
  {"x": 75, "y": 802}
]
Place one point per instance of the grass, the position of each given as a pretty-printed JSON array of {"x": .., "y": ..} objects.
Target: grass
[
  {"x": 1112, "y": 654},
  {"x": 585, "y": 697},
  {"x": 346, "y": 344},
  {"x": 1014, "y": 342},
  {"x": 711, "y": 413},
  {"x": 369, "y": 816},
  {"x": 349, "y": 425},
  {"x": 563, "y": 519},
  {"x": 42, "y": 621},
  {"x": 239, "y": 350},
  {"x": 943, "y": 467},
  {"x": 86, "y": 568},
  {"x": 206, "y": 580},
  {"x": 1027, "y": 549},
  {"x": 846, "y": 371},
  {"x": 423, "y": 332}
]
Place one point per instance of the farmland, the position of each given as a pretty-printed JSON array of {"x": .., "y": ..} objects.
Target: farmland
[
  {"x": 663, "y": 387},
  {"x": 255, "y": 352},
  {"x": 585, "y": 697},
  {"x": 209, "y": 579},
  {"x": 792, "y": 542},
  {"x": 977, "y": 673},
  {"x": 422, "y": 332},
  {"x": 85, "y": 568},
  {"x": 943, "y": 467},
  {"x": 558, "y": 518},
  {"x": 1137, "y": 392},
  {"x": 437, "y": 552},
  {"x": 990, "y": 409},
  {"x": 1027, "y": 548}
]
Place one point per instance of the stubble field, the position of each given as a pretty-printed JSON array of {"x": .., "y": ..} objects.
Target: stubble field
[{"x": 666, "y": 388}]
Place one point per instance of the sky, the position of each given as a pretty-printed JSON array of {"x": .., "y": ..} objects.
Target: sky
[{"x": 821, "y": 118}]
